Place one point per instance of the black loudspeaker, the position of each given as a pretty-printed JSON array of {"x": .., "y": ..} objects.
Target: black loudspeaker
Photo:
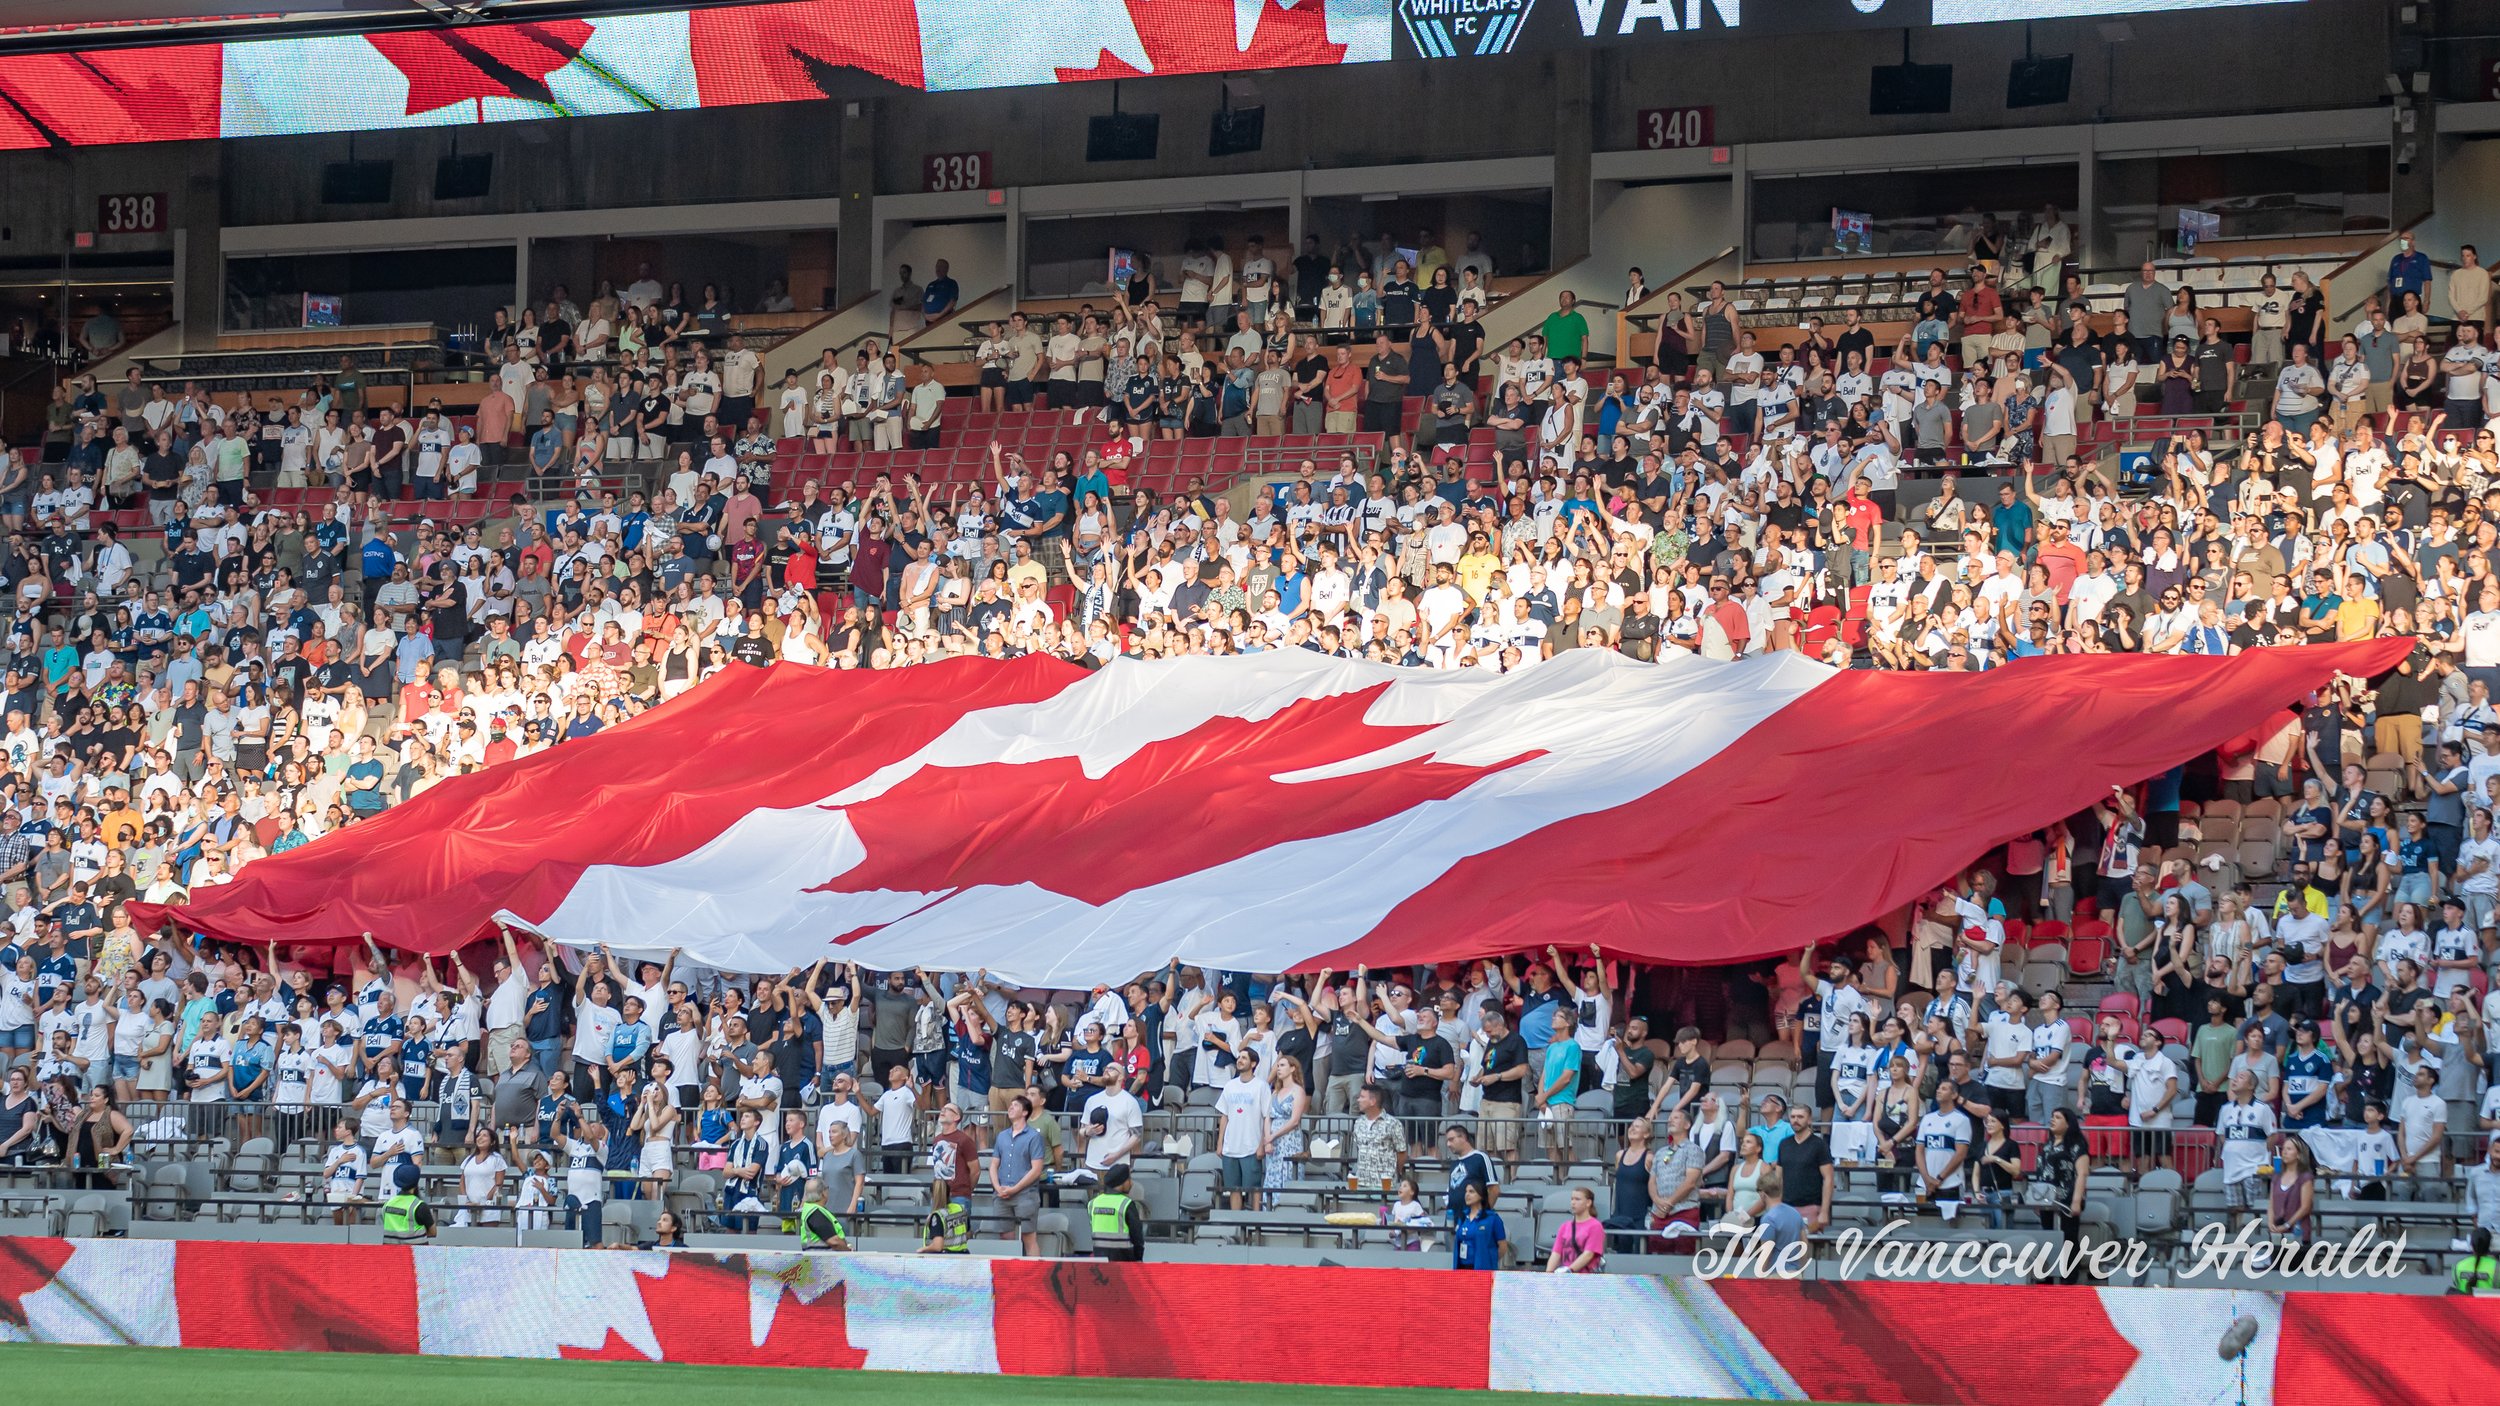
[
  {"x": 1900, "y": 90},
  {"x": 2040, "y": 82},
  {"x": 1122, "y": 136},
  {"x": 464, "y": 177},
  {"x": 1237, "y": 131},
  {"x": 356, "y": 183}
]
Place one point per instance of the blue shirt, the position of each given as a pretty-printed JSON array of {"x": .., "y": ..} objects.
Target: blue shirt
[
  {"x": 627, "y": 1044},
  {"x": 1019, "y": 1151},
  {"x": 54, "y": 973},
  {"x": 555, "y": 1119},
  {"x": 1536, "y": 1017},
  {"x": 1047, "y": 504},
  {"x": 937, "y": 296},
  {"x": 1562, "y": 1059},
  {"x": 1473, "y": 1167},
  {"x": 2409, "y": 272},
  {"x": 379, "y": 558},
  {"x": 1475, "y": 1242},
  {"x": 2013, "y": 523},
  {"x": 2312, "y": 850},
  {"x": 1783, "y": 1226},
  {"x": 2304, "y": 1073},
  {"x": 380, "y": 1031},
  {"x": 1774, "y": 1137},
  {"x": 367, "y": 802}
]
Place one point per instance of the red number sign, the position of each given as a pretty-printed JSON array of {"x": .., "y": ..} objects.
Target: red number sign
[
  {"x": 131, "y": 214},
  {"x": 956, "y": 170},
  {"x": 1677, "y": 128}
]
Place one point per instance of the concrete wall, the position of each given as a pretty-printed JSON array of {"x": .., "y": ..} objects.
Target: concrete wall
[
  {"x": 1664, "y": 229},
  {"x": 976, "y": 253},
  {"x": 2469, "y": 209}
]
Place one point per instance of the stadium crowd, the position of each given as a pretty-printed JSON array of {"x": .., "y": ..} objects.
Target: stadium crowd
[{"x": 264, "y": 675}]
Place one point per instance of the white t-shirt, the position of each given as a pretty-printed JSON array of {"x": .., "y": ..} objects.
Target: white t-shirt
[
  {"x": 345, "y": 1165},
  {"x": 593, "y": 1027},
  {"x": 2054, "y": 1042},
  {"x": 1740, "y": 364},
  {"x": 2146, "y": 1083},
  {"x": 1242, "y": 1103},
  {"x": 17, "y": 1001},
  {"x": 1125, "y": 1121},
  {"x": 895, "y": 1108},
  {"x": 295, "y": 1070},
  {"x": 2007, "y": 1038},
  {"x": 2244, "y": 1128},
  {"x": 209, "y": 1060},
  {"x": 477, "y": 1177},
  {"x": 1939, "y": 1135},
  {"x": 849, "y": 1114},
  {"x": 2420, "y": 1115}
]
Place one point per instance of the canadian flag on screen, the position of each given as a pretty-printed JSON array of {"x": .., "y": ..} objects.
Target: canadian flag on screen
[
  {"x": 104, "y": 1292},
  {"x": 1061, "y": 827},
  {"x": 981, "y": 44},
  {"x": 723, "y": 55}
]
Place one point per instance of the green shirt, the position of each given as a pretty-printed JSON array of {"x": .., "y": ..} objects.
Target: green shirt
[
  {"x": 1566, "y": 334},
  {"x": 2213, "y": 1048}
]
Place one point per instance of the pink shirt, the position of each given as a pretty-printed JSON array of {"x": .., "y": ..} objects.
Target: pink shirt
[{"x": 1580, "y": 1237}]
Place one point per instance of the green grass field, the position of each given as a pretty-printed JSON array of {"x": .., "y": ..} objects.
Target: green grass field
[{"x": 198, "y": 1377}]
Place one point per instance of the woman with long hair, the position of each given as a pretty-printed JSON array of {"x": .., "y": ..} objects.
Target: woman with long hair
[
  {"x": 2000, "y": 1167},
  {"x": 2292, "y": 1196},
  {"x": 1478, "y": 1239},
  {"x": 1287, "y": 1103},
  {"x": 2064, "y": 1168},
  {"x": 1897, "y": 1111},
  {"x": 654, "y": 1121},
  {"x": 1633, "y": 1202},
  {"x": 97, "y": 1139},
  {"x": 482, "y": 1174}
]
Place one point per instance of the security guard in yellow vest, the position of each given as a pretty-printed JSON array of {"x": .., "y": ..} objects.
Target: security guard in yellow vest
[
  {"x": 819, "y": 1227},
  {"x": 949, "y": 1229},
  {"x": 2478, "y": 1272},
  {"x": 1119, "y": 1223},
  {"x": 406, "y": 1219}
]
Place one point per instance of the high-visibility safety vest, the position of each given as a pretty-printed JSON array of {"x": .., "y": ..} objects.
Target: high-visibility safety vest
[
  {"x": 1110, "y": 1216},
  {"x": 953, "y": 1226},
  {"x": 819, "y": 1226},
  {"x": 399, "y": 1217},
  {"x": 2478, "y": 1274}
]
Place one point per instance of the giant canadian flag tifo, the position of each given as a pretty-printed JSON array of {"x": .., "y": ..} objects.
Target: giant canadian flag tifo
[{"x": 1060, "y": 827}]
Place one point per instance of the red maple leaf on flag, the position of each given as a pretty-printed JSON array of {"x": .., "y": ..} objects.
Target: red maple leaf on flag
[
  {"x": 701, "y": 1310},
  {"x": 796, "y": 52},
  {"x": 447, "y": 66},
  {"x": 130, "y": 95},
  {"x": 1093, "y": 838},
  {"x": 26, "y": 1265},
  {"x": 1197, "y": 36}
]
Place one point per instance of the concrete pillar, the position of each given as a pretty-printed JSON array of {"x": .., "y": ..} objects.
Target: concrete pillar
[
  {"x": 199, "y": 253},
  {"x": 1574, "y": 135},
  {"x": 855, "y": 248}
]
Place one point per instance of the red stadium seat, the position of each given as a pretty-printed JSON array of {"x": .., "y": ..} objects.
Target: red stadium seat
[{"x": 2085, "y": 956}]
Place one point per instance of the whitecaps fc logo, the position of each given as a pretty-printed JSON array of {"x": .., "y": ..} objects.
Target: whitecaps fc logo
[{"x": 1445, "y": 29}]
